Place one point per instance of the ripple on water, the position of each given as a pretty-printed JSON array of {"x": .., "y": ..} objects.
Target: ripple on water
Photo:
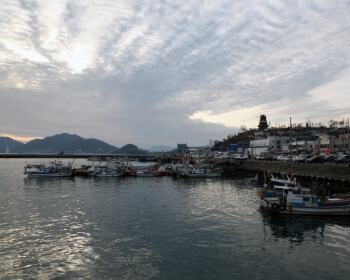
[{"x": 161, "y": 228}]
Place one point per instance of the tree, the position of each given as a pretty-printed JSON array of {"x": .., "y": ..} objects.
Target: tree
[{"x": 243, "y": 128}]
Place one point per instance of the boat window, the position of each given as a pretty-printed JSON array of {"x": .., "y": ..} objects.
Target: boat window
[
  {"x": 306, "y": 199},
  {"x": 296, "y": 192}
]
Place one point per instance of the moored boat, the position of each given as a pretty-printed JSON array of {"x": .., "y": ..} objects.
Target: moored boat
[
  {"x": 54, "y": 169},
  {"x": 280, "y": 182},
  {"x": 204, "y": 173},
  {"x": 147, "y": 173},
  {"x": 129, "y": 165},
  {"x": 108, "y": 174},
  {"x": 287, "y": 182},
  {"x": 298, "y": 201}
]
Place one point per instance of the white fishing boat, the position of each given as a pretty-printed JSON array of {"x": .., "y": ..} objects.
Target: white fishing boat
[
  {"x": 280, "y": 182},
  {"x": 286, "y": 182},
  {"x": 108, "y": 174},
  {"x": 97, "y": 169},
  {"x": 181, "y": 169},
  {"x": 129, "y": 165},
  {"x": 147, "y": 173},
  {"x": 204, "y": 173},
  {"x": 54, "y": 169},
  {"x": 298, "y": 201}
]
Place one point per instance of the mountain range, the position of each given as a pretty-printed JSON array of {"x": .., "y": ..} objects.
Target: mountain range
[
  {"x": 7, "y": 142},
  {"x": 66, "y": 143},
  {"x": 160, "y": 148}
]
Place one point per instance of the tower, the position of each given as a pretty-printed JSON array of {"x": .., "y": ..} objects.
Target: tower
[{"x": 262, "y": 123}]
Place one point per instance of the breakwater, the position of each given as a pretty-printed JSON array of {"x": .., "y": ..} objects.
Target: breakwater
[{"x": 51, "y": 155}]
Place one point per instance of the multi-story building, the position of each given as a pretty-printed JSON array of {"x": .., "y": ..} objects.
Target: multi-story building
[
  {"x": 341, "y": 143},
  {"x": 269, "y": 144}
]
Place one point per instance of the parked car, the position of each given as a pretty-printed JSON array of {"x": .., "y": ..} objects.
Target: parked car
[
  {"x": 260, "y": 157},
  {"x": 241, "y": 156},
  {"x": 343, "y": 159},
  {"x": 282, "y": 158},
  {"x": 330, "y": 157},
  {"x": 314, "y": 159},
  {"x": 303, "y": 157},
  {"x": 294, "y": 158}
]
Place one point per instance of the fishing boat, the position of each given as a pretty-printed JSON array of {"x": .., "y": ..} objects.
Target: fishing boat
[
  {"x": 204, "y": 173},
  {"x": 54, "y": 169},
  {"x": 126, "y": 164},
  {"x": 278, "y": 182},
  {"x": 286, "y": 182},
  {"x": 101, "y": 170},
  {"x": 299, "y": 201},
  {"x": 108, "y": 174},
  {"x": 147, "y": 173}
]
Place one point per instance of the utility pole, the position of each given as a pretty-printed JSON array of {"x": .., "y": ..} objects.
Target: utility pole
[{"x": 290, "y": 139}]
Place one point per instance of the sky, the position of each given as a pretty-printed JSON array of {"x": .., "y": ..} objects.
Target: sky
[{"x": 151, "y": 72}]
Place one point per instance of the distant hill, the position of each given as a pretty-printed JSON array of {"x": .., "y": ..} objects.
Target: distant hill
[
  {"x": 130, "y": 149},
  {"x": 161, "y": 148},
  {"x": 9, "y": 142},
  {"x": 66, "y": 143}
]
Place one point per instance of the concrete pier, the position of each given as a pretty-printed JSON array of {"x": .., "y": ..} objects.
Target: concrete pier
[{"x": 320, "y": 174}]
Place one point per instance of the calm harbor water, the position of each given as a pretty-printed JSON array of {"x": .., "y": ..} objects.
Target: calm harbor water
[{"x": 158, "y": 228}]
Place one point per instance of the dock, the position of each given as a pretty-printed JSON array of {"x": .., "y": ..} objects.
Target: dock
[{"x": 308, "y": 173}]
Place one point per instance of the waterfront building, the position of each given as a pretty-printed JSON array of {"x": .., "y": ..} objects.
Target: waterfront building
[
  {"x": 342, "y": 143},
  {"x": 269, "y": 144},
  {"x": 181, "y": 149},
  {"x": 302, "y": 145}
]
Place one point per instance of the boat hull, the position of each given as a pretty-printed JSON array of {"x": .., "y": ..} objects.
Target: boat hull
[
  {"x": 328, "y": 210},
  {"x": 289, "y": 209},
  {"x": 41, "y": 175},
  {"x": 203, "y": 175},
  {"x": 108, "y": 174}
]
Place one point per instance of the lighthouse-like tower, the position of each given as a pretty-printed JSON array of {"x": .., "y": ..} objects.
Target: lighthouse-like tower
[{"x": 262, "y": 123}]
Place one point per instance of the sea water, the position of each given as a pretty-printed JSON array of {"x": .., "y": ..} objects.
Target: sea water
[{"x": 158, "y": 228}]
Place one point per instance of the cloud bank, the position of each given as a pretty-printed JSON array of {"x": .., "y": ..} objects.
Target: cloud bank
[{"x": 168, "y": 72}]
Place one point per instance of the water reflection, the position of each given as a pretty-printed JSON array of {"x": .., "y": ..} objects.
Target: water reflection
[
  {"x": 47, "y": 232},
  {"x": 47, "y": 181},
  {"x": 297, "y": 229},
  {"x": 51, "y": 247}
]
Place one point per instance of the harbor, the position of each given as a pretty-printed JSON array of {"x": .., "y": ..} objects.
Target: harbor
[
  {"x": 328, "y": 174},
  {"x": 158, "y": 228}
]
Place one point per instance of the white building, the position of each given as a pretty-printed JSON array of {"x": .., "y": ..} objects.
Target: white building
[
  {"x": 276, "y": 143},
  {"x": 303, "y": 144}
]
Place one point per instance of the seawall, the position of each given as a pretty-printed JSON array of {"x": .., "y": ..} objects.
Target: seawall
[{"x": 326, "y": 174}]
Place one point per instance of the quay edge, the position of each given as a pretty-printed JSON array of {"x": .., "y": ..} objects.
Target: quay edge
[{"x": 326, "y": 174}]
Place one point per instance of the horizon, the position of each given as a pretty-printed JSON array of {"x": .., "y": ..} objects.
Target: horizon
[{"x": 343, "y": 124}]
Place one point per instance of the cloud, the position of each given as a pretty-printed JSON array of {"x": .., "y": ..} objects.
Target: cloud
[{"x": 147, "y": 72}]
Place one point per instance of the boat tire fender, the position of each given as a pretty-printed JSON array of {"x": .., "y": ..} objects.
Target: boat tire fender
[
  {"x": 282, "y": 207},
  {"x": 274, "y": 206}
]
